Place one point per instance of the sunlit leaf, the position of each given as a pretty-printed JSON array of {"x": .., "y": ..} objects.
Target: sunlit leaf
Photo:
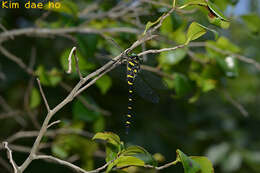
[
  {"x": 195, "y": 31},
  {"x": 189, "y": 165},
  {"x": 124, "y": 161},
  {"x": 140, "y": 153},
  {"x": 108, "y": 136},
  {"x": 205, "y": 164}
]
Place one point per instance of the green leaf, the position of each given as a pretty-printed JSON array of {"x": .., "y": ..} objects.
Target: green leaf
[
  {"x": 124, "y": 161},
  {"x": 104, "y": 84},
  {"x": 80, "y": 112},
  {"x": 181, "y": 85},
  {"x": 208, "y": 84},
  {"x": 35, "y": 98},
  {"x": 51, "y": 78},
  {"x": 172, "y": 57},
  {"x": 150, "y": 24},
  {"x": 54, "y": 77},
  {"x": 109, "y": 137},
  {"x": 195, "y": 31},
  {"x": 214, "y": 9},
  {"x": 189, "y": 165},
  {"x": 140, "y": 153},
  {"x": 129, "y": 161},
  {"x": 194, "y": 2},
  {"x": 205, "y": 164},
  {"x": 216, "y": 17}
]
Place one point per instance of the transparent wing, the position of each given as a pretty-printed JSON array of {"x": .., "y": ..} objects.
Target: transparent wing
[
  {"x": 145, "y": 91},
  {"x": 153, "y": 81}
]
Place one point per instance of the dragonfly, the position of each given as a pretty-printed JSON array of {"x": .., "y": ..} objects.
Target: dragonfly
[{"x": 140, "y": 81}]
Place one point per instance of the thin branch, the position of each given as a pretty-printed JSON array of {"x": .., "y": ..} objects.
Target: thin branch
[
  {"x": 10, "y": 156},
  {"x": 160, "y": 50},
  {"x": 164, "y": 166},
  {"x": 70, "y": 165},
  {"x": 43, "y": 95},
  {"x": 49, "y": 133},
  {"x": 53, "y": 123},
  {"x": 46, "y": 31}
]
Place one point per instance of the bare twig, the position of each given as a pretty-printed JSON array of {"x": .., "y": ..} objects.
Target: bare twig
[
  {"x": 46, "y": 31},
  {"x": 53, "y": 123},
  {"x": 10, "y": 156},
  {"x": 164, "y": 166},
  {"x": 160, "y": 50},
  {"x": 70, "y": 165},
  {"x": 43, "y": 95},
  {"x": 49, "y": 133}
]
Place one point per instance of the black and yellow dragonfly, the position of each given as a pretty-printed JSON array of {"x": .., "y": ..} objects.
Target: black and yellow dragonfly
[{"x": 140, "y": 81}]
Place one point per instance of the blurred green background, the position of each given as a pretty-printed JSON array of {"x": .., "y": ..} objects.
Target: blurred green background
[{"x": 210, "y": 108}]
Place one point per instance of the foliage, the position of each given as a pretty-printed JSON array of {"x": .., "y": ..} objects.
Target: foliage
[{"x": 212, "y": 82}]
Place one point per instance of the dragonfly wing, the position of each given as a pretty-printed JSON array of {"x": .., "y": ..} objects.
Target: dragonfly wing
[
  {"x": 145, "y": 91},
  {"x": 153, "y": 80}
]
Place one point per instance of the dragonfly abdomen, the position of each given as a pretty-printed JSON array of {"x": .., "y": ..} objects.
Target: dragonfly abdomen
[{"x": 133, "y": 67}]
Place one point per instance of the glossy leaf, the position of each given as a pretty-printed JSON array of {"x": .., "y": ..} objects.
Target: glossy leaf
[
  {"x": 140, "y": 153},
  {"x": 124, "y": 161},
  {"x": 189, "y": 165},
  {"x": 195, "y": 31},
  {"x": 109, "y": 137},
  {"x": 35, "y": 98}
]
